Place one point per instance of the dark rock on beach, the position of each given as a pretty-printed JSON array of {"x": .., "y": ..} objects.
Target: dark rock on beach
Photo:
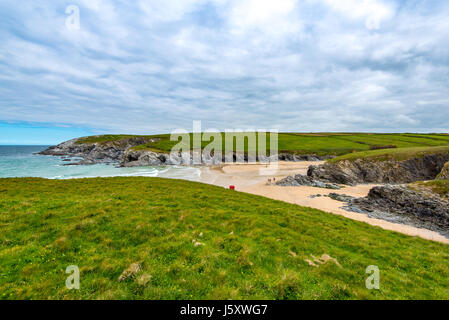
[
  {"x": 340, "y": 197},
  {"x": 400, "y": 204},
  {"x": 302, "y": 180}
]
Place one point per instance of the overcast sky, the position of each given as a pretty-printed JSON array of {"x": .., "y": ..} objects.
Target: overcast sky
[{"x": 154, "y": 66}]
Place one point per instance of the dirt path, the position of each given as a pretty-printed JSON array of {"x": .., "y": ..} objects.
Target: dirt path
[{"x": 252, "y": 178}]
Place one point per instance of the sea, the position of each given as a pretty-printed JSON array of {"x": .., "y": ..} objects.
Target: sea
[{"x": 22, "y": 161}]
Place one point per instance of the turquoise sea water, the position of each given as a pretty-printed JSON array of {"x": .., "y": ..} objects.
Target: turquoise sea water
[{"x": 21, "y": 161}]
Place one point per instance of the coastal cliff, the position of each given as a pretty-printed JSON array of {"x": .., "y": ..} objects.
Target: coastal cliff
[
  {"x": 124, "y": 153},
  {"x": 402, "y": 204},
  {"x": 360, "y": 171},
  {"x": 357, "y": 171},
  {"x": 98, "y": 152},
  {"x": 419, "y": 196}
]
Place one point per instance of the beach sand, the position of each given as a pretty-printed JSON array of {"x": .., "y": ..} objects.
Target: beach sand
[{"x": 252, "y": 178}]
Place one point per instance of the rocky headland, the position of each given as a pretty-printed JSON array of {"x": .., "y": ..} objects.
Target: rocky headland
[
  {"x": 352, "y": 172},
  {"x": 123, "y": 153},
  {"x": 91, "y": 153},
  {"x": 396, "y": 201},
  {"x": 303, "y": 180},
  {"x": 361, "y": 171},
  {"x": 119, "y": 152},
  {"x": 401, "y": 204}
]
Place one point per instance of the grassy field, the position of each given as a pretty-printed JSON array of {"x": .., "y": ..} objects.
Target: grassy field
[
  {"x": 196, "y": 241},
  {"x": 313, "y": 143},
  {"x": 393, "y": 154}
]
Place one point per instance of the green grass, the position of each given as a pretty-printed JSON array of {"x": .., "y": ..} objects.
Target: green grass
[
  {"x": 439, "y": 187},
  {"x": 108, "y": 138},
  {"x": 253, "y": 247},
  {"x": 393, "y": 154},
  {"x": 304, "y": 143}
]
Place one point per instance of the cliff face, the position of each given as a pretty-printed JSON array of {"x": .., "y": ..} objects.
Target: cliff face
[
  {"x": 301, "y": 180},
  {"x": 138, "y": 158},
  {"x": 122, "y": 153},
  {"x": 390, "y": 171},
  {"x": 135, "y": 158},
  {"x": 399, "y": 204}
]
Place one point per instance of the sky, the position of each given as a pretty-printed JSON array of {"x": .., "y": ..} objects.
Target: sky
[{"x": 71, "y": 68}]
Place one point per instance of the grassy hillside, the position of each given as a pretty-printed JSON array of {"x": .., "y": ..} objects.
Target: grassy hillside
[
  {"x": 393, "y": 154},
  {"x": 196, "y": 241},
  {"x": 313, "y": 143},
  {"x": 108, "y": 138}
]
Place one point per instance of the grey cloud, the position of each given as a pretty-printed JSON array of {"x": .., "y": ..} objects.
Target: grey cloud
[{"x": 153, "y": 67}]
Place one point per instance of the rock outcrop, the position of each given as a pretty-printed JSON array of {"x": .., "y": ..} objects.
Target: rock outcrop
[
  {"x": 444, "y": 174},
  {"x": 302, "y": 180},
  {"x": 91, "y": 153},
  {"x": 389, "y": 171},
  {"x": 400, "y": 204},
  {"x": 340, "y": 197},
  {"x": 139, "y": 158},
  {"x": 121, "y": 152}
]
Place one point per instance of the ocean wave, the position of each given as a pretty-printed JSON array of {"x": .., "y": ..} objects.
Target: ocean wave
[{"x": 31, "y": 165}]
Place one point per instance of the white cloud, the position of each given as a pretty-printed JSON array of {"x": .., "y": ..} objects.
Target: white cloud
[
  {"x": 154, "y": 66},
  {"x": 168, "y": 10},
  {"x": 273, "y": 17},
  {"x": 373, "y": 12}
]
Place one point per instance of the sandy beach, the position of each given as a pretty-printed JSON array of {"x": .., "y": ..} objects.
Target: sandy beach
[{"x": 252, "y": 178}]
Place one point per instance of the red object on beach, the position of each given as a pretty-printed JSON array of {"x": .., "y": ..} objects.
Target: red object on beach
[{"x": 232, "y": 187}]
